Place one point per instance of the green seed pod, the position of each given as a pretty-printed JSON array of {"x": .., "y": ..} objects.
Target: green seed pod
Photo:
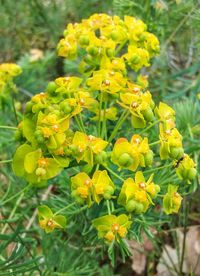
[
  {"x": 131, "y": 205},
  {"x": 192, "y": 173},
  {"x": 110, "y": 52},
  {"x": 87, "y": 168},
  {"x": 51, "y": 87},
  {"x": 92, "y": 50},
  {"x": 139, "y": 208},
  {"x": 142, "y": 37},
  {"x": 100, "y": 157},
  {"x": 135, "y": 59},
  {"x": 176, "y": 153},
  {"x": 148, "y": 114},
  {"x": 88, "y": 59},
  {"x": 148, "y": 158},
  {"x": 114, "y": 35},
  {"x": 125, "y": 160},
  {"x": 84, "y": 40},
  {"x": 28, "y": 108},
  {"x": 40, "y": 172},
  {"x": 18, "y": 135}
]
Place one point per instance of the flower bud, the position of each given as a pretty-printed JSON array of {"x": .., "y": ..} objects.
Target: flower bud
[
  {"x": 192, "y": 173},
  {"x": 139, "y": 208},
  {"x": 51, "y": 87},
  {"x": 65, "y": 107},
  {"x": 84, "y": 40},
  {"x": 28, "y": 108},
  {"x": 135, "y": 59},
  {"x": 92, "y": 50},
  {"x": 100, "y": 157},
  {"x": 131, "y": 205},
  {"x": 148, "y": 114},
  {"x": 176, "y": 153},
  {"x": 108, "y": 192},
  {"x": 125, "y": 160},
  {"x": 110, "y": 52},
  {"x": 148, "y": 158},
  {"x": 114, "y": 35},
  {"x": 87, "y": 168},
  {"x": 40, "y": 172}
]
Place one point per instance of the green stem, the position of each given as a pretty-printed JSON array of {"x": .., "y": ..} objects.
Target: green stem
[
  {"x": 79, "y": 211},
  {"x": 113, "y": 173},
  {"x": 13, "y": 211},
  {"x": 78, "y": 123},
  {"x": 120, "y": 47},
  {"x": 104, "y": 127},
  {"x": 9, "y": 127},
  {"x": 5, "y": 161},
  {"x": 17, "y": 194},
  {"x": 65, "y": 208},
  {"x": 100, "y": 108},
  {"x": 108, "y": 206},
  {"x": 81, "y": 123},
  {"x": 154, "y": 143},
  {"x": 14, "y": 109},
  {"x": 150, "y": 126},
  {"x": 118, "y": 125},
  {"x": 158, "y": 168},
  {"x": 185, "y": 210}
]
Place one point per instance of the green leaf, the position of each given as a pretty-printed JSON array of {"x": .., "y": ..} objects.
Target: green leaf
[
  {"x": 30, "y": 161},
  {"x": 60, "y": 220},
  {"x": 18, "y": 159},
  {"x": 44, "y": 212},
  {"x": 28, "y": 129}
]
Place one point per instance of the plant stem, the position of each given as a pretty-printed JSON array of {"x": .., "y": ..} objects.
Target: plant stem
[
  {"x": 65, "y": 208},
  {"x": 158, "y": 168},
  {"x": 113, "y": 173},
  {"x": 118, "y": 125},
  {"x": 5, "y": 161},
  {"x": 14, "y": 110},
  {"x": 81, "y": 123},
  {"x": 100, "y": 108},
  {"x": 185, "y": 210},
  {"x": 17, "y": 194},
  {"x": 150, "y": 126},
  {"x": 13, "y": 211},
  {"x": 9, "y": 127},
  {"x": 78, "y": 123},
  {"x": 154, "y": 143},
  {"x": 108, "y": 206}
]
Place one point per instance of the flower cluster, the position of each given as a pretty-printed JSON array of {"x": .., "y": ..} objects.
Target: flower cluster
[
  {"x": 7, "y": 72},
  {"x": 75, "y": 120}
]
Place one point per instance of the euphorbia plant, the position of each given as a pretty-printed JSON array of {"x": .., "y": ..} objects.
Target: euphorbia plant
[{"x": 76, "y": 122}]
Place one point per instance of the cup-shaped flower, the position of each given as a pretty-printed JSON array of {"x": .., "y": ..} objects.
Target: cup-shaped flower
[
  {"x": 103, "y": 186},
  {"x": 140, "y": 106},
  {"x": 124, "y": 155},
  {"x": 82, "y": 188},
  {"x": 172, "y": 200},
  {"x": 166, "y": 114},
  {"x": 112, "y": 228},
  {"x": 136, "y": 195},
  {"x": 86, "y": 146},
  {"x": 31, "y": 164},
  {"x": 170, "y": 143},
  {"x": 185, "y": 169},
  {"x": 48, "y": 221}
]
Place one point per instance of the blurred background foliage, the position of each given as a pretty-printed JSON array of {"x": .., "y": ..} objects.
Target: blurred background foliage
[{"x": 30, "y": 31}]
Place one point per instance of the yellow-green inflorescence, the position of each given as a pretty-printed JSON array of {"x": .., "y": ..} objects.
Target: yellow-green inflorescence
[{"x": 54, "y": 132}]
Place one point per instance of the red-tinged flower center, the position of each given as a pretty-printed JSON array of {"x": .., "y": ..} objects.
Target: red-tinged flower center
[
  {"x": 55, "y": 127},
  {"x": 134, "y": 104},
  {"x": 115, "y": 227},
  {"x": 50, "y": 223},
  {"x": 142, "y": 185},
  {"x": 176, "y": 194},
  {"x": 136, "y": 89},
  {"x": 82, "y": 102},
  {"x": 107, "y": 82},
  {"x": 87, "y": 182},
  {"x": 43, "y": 162}
]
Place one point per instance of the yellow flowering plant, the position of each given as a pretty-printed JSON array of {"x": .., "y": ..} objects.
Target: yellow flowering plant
[{"x": 76, "y": 126}]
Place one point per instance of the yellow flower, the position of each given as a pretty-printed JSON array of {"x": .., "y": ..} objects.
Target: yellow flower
[
  {"x": 140, "y": 106},
  {"x": 87, "y": 146},
  {"x": 136, "y": 195},
  {"x": 185, "y": 168},
  {"x": 171, "y": 143},
  {"x": 137, "y": 57},
  {"x": 111, "y": 227},
  {"x": 172, "y": 200},
  {"x": 106, "y": 81}
]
